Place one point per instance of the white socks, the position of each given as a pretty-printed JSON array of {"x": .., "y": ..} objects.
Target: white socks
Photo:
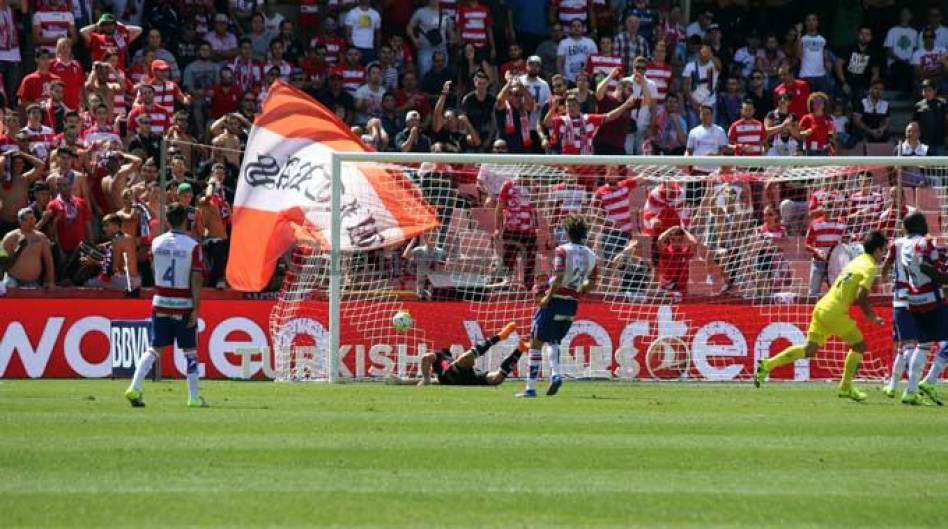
[
  {"x": 534, "y": 361},
  {"x": 192, "y": 374},
  {"x": 917, "y": 363},
  {"x": 554, "y": 359},
  {"x": 902, "y": 357},
  {"x": 144, "y": 366}
]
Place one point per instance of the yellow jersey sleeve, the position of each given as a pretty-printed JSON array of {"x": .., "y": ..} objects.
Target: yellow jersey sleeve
[{"x": 859, "y": 273}]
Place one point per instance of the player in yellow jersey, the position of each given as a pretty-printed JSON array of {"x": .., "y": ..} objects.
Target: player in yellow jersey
[{"x": 831, "y": 318}]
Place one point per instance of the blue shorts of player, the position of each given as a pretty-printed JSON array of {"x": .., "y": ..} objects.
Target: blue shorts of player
[
  {"x": 167, "y": 329},
  {"x": 922, "y": 327},
  {"x": 551, "y": 323}
]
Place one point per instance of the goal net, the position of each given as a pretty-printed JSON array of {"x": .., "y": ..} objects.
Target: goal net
[{"x": 701, "y": 271}]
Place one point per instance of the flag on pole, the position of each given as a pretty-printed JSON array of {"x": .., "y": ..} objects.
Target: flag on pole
[{"x": 283, "y": 191}]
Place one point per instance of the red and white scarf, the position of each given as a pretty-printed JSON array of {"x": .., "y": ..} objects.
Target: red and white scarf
[
  {"x": 575, "y": 129},
  {"x": 524, "y": 125}
]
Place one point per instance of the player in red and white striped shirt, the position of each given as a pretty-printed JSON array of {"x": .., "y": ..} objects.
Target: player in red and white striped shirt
[
  {"x": 475, "y": 25},
  {"x": 51, "y": 22},
  {"x": 603, "y": 62},
  {"x": 659, "y": 71},
  {"x": 747, "y": 136},
  {"x": 160, "y": 118},
  {"x": 826, "y": 230},
  {"x": 614, "y": 198},
  {"x": 565, "y": 11}
]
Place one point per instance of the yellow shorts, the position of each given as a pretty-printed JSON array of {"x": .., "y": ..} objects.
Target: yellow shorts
[{"x": 824, "y": 325}]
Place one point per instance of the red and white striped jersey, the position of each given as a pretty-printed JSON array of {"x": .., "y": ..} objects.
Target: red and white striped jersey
[
  {"x": 165, "y": 94},
  {"x": 248, "y": 74},
  {"x": 518, "y": 208},
  {"x": 98, "y": 134},
  {"x": 662, "y": 75},
  {"x": 665, "y": 208},
  {"x": 869, "y": 202},
  {"x": 120, "y": 101},
  {"x": 776, "y": 233},
  {"x": 823, "y": 234},
  {"x": 913, "y": 288},
  {"x": 309, "y": 12},
  {"x": 575, "y": 135},
  {"x": 473, "y": 23},
  {"x": 823, "y": 199},
  {"x": 615, "y": 199},
  {"x": 748, "y": 136},
  {"x": 175, "y": 255},
  {"x": 53, "y": 25},
  {"x": 601, "y": 63},
  {"x": 335, "y": 47},
  {"x": 40, "y": 139},
  {"x": 568, "y": 199},
  {"x": 160, "y": 118},
  {"x": 577, "y": 263},
  {"x": 569, "y": 10},
  {"x": 352, "y": 77}
]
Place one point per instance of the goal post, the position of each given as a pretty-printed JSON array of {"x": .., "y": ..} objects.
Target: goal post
[{"x": 359, "y": 292}]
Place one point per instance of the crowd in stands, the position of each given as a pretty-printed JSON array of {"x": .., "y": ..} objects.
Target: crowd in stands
[{"x": 90, "y": 88}]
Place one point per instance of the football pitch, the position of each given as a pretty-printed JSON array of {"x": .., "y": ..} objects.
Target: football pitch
[{"x": 74, "y": 454}]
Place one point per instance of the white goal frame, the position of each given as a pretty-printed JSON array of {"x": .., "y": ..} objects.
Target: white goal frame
[{"x": 340, "y": 158}]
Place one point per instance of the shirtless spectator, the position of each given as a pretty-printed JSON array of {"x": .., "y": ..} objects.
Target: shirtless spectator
[
  {"x": 14, "y": 186},
  {"x": 34, "y": 266},
  {"x": 119, "y": 268}
]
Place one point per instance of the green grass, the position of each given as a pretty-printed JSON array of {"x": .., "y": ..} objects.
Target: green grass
[{"x": 74, "y": 454}]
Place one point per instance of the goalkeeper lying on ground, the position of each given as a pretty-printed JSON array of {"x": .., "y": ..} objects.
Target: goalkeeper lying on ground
[{"x": 460, "y": 371}]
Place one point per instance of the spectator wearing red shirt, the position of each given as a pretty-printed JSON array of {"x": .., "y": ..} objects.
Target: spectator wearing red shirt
[
  {"x": 516, "y": 63},
  {"x": 659, "y": 71},
  {"x": 613, "y": 199},
  {"x": 798, "y": 89},
  {"x": 516, "y": 227},
  {"x": 351, "y": 70},
  {"x": 676, "y": 249},
  {"x": 54, "y": 110},
  {"x": 600, "y": 64},
  {"x": 71, "y": 72},
  {"x": 160, "y": 118},
  {"x": 72, "y": 219},
  {"x": 409, "y": 97},
  {"x": 747, "y": 136},
  {"x": 826, "y": 231},
  {"x": 107, "y": 35},
  {"x": 35, "y": 87},
  {"x": 816, "y": 128},
  {"x": 167, "y": 92},
  {"x": 576, "y": 131},
  {"x": 334, "y": 43},
  {"x": 52, "y": 21},
  {"x": 476, "y": 26},
  {"x": 224, "y": 96}
]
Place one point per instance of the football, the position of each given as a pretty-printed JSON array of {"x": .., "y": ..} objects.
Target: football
[{"x": 402, "y": 321}]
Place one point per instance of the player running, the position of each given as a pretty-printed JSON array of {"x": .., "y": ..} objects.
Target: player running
[
  {"x": 924, "y": 318},
  {"x": 574, "y": 273},
  {"x": 831, "y": 318},
  {"x": 179, "y": 276}
]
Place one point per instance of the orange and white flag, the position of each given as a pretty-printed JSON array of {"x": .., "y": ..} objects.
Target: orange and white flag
[{"x": 283, "y": 191}]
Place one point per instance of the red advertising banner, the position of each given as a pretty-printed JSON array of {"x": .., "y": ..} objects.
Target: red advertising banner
[{"x": 69, "y": 338}]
